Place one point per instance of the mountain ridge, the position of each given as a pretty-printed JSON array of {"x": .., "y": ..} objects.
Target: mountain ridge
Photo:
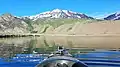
[
  {"x": 59, "y": 13},
  {"x": 114, "y": 16}
]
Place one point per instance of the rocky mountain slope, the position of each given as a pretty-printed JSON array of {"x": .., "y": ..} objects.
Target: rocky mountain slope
[
  {"x": 12, "y": 25},
  {"x": 115, "y": 16}
]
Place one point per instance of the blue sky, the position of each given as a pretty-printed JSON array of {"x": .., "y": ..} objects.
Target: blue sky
[{"x": 95, "y": 8}]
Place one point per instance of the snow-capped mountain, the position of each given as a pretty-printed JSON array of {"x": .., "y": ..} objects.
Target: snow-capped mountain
[
  {"x": 115, "y": 16},
  {"x": 58, "y": 13}
]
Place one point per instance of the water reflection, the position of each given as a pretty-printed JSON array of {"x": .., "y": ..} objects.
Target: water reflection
[
  {"x": 46, "y": 44},
  {"x": 11, "y": 46},
  {"x": 99, "y": 42}
]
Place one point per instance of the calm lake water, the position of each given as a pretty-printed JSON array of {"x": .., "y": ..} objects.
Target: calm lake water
[{"x": 85, "y": 47}]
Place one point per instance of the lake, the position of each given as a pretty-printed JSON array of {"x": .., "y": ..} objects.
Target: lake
[{"x": 102, "y": 49}]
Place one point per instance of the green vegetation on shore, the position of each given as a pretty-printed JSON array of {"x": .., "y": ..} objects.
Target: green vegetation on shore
[{"x": 57, "y": 22}]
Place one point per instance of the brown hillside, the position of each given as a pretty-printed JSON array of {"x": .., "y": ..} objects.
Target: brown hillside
[{"x": 94, "y": 28}]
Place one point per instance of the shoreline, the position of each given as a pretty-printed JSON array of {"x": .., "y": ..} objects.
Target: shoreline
[{"x": 81, "y": 35}]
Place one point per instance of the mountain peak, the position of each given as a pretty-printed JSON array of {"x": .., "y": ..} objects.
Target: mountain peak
[
  {"x": 59, "y": 13},
  {"x": 7, "y": 15},
  {"x": 56, "y": 10}
]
